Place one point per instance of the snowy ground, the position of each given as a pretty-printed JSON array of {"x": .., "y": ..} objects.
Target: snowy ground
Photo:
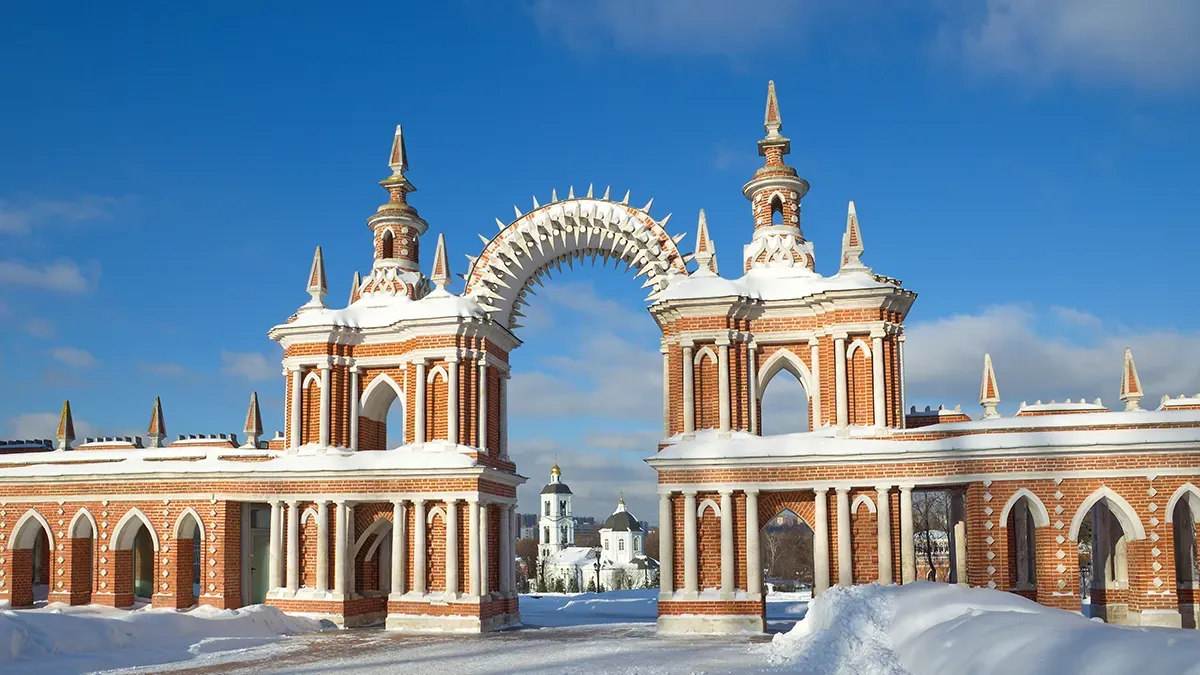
[{"x": 920, "y": 629}]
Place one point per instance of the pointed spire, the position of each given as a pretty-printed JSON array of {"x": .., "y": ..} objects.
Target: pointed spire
[
  {"x": 989, "y": 393},
  {"x": 355, "y": 285},
  {"x": 399, "y": 157},
  {"x": 441, "y": 265},
  {"x": 254, "y": 425},
  {"x": 706, "y": 251},
  {"x": 317, "y": 286},
  {"x": 1131, "y": 384},
  {"x": 773, "y": 124},
  {"x": 852, "y": 244},
  {"x": 66, "y": 428},
  {"x": 157, "y": 430}
]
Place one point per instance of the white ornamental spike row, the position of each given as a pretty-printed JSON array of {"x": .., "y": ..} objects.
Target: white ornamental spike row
[{"x": 565, "y": 231}]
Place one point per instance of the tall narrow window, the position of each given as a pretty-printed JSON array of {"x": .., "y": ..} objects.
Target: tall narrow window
[
  {"x": 386, "y": 245},
  {"x": 776, "y": 211}
]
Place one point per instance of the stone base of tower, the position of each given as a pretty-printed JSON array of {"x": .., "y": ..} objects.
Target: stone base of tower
[
  {"x": 435, "y": 613},
  {"x": 346, "y": 612},
  {"x": 711, "y": 616}
]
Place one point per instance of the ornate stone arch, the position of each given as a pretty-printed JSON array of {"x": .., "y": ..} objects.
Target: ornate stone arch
[
  {"x": 708, "y": 504},
  {"x": 1131, "y": 525},
  {"x": 82, "y": 517},
  {"x": 313, "y": 377},
  {"x": 24, "y": 533},
  {"x": 564, "y": 231},
  {"x": 864, "y": 499},
  {"x": 436, "y": 511},
  {"x": 1189, "y": 492},
  {"x": 1041, "y": 517},
  {"x": 705, "y": 352},
  {"x": 197, "y": 527},
  {"x": 437, "y": 371},
  {"x": 858, "y": 343},
  {"x": 378, "y": 396},
  {"x": 309, "y": 512},
  {"x": 126, "y": 530},
  {"x": 380, "y": 525},
  {"x": 785, "y": 359}
]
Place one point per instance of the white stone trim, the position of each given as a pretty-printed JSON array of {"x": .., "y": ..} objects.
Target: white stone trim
[
  {"x": 367, "y": 399},
  {"x": 698, "y": 360},
  {"x": 708, "y": 503},
  {"x": 189, "y": 511},
  {"x": 118, "y": 533},
  {"x": 1131, "y": 524},
  {"x": 858, "y": 343},
  {"x": 435, "y": 371},
  {"x": 1187, "y": 489},
  {"x": 83, "y": 514},
  {"x": 785, "y": 359},
  {"x": 308, "y": 513},
  {"x": 435, "y": 511},
  {"x": 20, "y": 533},
  {"x": 1041, "y": 517},
  {"x": 312, "y": 376},
  {"x": 863, "y": 499}
]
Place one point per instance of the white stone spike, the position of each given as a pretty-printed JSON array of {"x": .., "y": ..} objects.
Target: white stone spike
[
  {"x": 570, "y": 262},
  {"x": 558, "y": 264},
  {"x": 528, "y": 289},
  {"x": 485, "y": 240},
  {"x": 471, "y": 259},
  {"x": 499, "y": 281},
  {"x": 523, "y": 244},
  {"x": 630, "y": 264},
  {"x": 649, "y": 282},
  {"x": 644, "y": 270},
  {"x": 607, "y": 190},
  {"x": 625, "y": 201},
  {"x": 516, "y": 312},
  {"x": 462, "y": 276},
  {"x": 589, "y": 192},
  {"x": 646, "y": 208},
  {"x": 631, "y": 243},
  {"x": 536, "y": 205},
  {"x": 515, "y": 324},
  {"x": 538, "y": 278},
  {"x": 517, "y": 211},
  {"x": 553, "y": 196},
  {"x": 501, "y": 224},
  {"x": 679, "y": 237},
  {"x": 571, "y": 192},
  {"x": 563, "y": 234},
  {"x": 666, "y": 218},
  {"x": 516, "y": 260}
]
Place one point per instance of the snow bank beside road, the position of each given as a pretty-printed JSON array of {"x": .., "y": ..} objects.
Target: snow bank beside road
[
  {"x": 937, "y": 629},
  {"x": 59, "y": 638}
]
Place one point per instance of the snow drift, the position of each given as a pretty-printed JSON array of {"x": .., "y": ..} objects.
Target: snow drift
[
  {"x": 115, "y": 638},
  {"x": 938, "y": 629}
]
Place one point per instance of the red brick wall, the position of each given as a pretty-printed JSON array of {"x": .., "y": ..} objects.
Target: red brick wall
[
  {"x": 708, "y": 534},
  {"x": 864, "y": 539}
]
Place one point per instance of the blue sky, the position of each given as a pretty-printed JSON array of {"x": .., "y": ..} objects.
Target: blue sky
[{"x": 1027, "y": 166}]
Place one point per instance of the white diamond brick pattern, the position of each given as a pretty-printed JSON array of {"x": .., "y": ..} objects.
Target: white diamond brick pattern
[
  {"x": 1151, "y": 492},
  {"x": 987, "y": 496},
  {"x": 1058, "y": 494}
]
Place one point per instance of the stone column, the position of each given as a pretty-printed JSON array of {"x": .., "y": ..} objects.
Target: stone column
[
  {"x": 839, "y": 369},
  {"x": 419, "y": 416},
  {"x": 354, "y": 408},
  {"x": 884, "y": 522},
  {"x": 324, "y": 436},
  {"x": 753, "y": 562},
  {"x": 275, "y": 570},
  {"x": 814, "y": 396},
  {"x": 908, "y": 554},
  {"x": 753, "y": 387},
  {"x": 821, "y": 542},
  {"x": 482, "y": 546},
  {"x": 666, "y": 390},
  {"x": 322, "y": 546},
  {"x": 504, "y": 554},
  {"x": 452, "y": 547},
  {"x": 293, "y": 547},
  {"x": 900, "y": 364},
  {"x": 399, "y": 547},
  {"x": 419, "y": 536},
  {"x": 959, "y": 516},
  {"x": 515, "y": 523},
  {"x": 340, "y": 547},
  {"x": 482, "y": 413},
  {"x": 691, "y": 576},
  {"x": 452, "y": 401},
  {"x": 845, "y": 554},
  {"x": 297, "y": 405},
  {"x": 728, "y": 579},
  {"x": 666, "y": 545},
  {"x": 723, "y": 384},
  {"x": 880, "y": 407},
  {"x": 689, "y": 393}
]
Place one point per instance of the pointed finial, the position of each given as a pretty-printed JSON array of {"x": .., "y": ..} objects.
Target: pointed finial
[
  {"x": 355, "y": 285},
  {"x": 773, "y": 120},
  {"x": 254, "y": 426},
  {"x": 441, "y": 265},
  {"x": 317, "y": 286},
  {"x": 1131, "y": 384},
  {"x": 989, "y": 393},
  {"x": 158, "y": 426},
  {"x": 66, "y": 428},
  {"x": 852, "y": 244},
  {"x": 399, "y": 157},
  {"x": 706, "y": 251}
]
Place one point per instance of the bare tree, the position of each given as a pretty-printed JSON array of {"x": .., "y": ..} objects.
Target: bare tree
[
  {"x": 527, "y": 550},
  {"x": 651, "y": 544},
  {"x": 931, "y": 516},
  {"x": 620, "y": 579},
  {"x": 588, "y": 539}
]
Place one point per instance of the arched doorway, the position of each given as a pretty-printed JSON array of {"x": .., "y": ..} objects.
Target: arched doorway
[
  {"x": 31, "y": 543},
  {"x": 786, "y": 554},
  {"x": 788, "y": 407},
  {"x": 1184, "y": 517},
  {"x": 373, "y": 559},
  {"x": 1103, "y": 527},
  {"x": 189, "y": 536},
  {"x": 143, "y": 564},
  {"x": 1022, "y": 515},
  {"x": 381, "y": 420},
  {"x": 134, "y": 545},
  {"x": 79, "y": 559}
]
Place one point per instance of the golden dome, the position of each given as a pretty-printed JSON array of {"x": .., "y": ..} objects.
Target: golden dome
[{"x": 554, "y": 470}]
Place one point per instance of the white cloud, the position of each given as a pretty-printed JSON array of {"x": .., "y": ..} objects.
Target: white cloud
[
  {"x": 19, "y": 216},
  {"x": 45, "y": 425},
  {"x": 644, "y": 442},
  {"x": 1146, "y": 43},
  {"x": 251, "y": 366},
  {"x": 40, "y": 328},
  {"x": 944, "y": 359},
  {"x": 63, "y": 276},
  {"x": 674, "y": 26},
  {"x": 74, "y": 357}
]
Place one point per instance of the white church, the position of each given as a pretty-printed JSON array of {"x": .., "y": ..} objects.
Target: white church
[{"x": 620, "y": 562}]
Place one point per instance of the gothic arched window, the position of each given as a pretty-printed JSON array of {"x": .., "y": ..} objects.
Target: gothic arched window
[{"x": 621, "y": 545}]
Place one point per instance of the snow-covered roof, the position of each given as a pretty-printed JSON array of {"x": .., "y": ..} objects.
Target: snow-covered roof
[
  {"x": 1053, "y": 408},
  {"x": 765, "y": 284},
  {"x": 1070, "y": 431},
  {"x": 208, "y": 460},
  {"x": 380, "y": 311},
  {"x": 575, "y": 555}
]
